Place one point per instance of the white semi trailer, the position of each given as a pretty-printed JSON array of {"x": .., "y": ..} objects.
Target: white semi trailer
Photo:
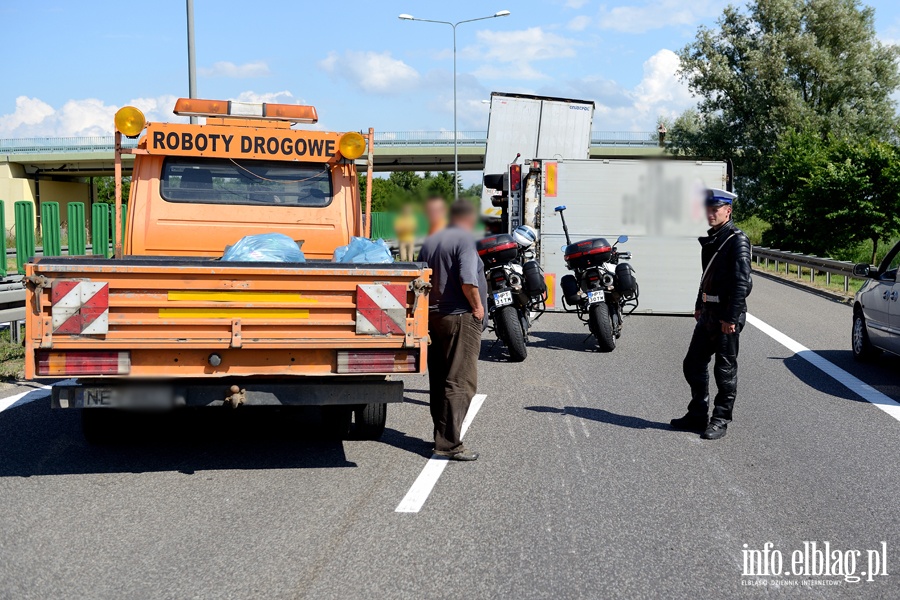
[
  {"x": 657, "y": 203},
  {"x": 533, "y": 126}
]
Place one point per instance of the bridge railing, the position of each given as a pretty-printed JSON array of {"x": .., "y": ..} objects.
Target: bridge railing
[
  {"x": 384, "y": 139},
  {"x": 812, "y": 264}
]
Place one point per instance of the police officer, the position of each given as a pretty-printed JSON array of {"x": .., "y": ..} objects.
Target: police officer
[{"x": 720, "y": 311}]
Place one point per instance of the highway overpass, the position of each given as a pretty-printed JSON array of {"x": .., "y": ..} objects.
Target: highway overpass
[
  {"x": 394, "y": 151},
  {"x": 61, "y": 168}
]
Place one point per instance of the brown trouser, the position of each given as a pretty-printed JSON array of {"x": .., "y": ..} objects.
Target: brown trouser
[
  {"x": 452, "y": 374},
  {"x": 407, "y": 249}
]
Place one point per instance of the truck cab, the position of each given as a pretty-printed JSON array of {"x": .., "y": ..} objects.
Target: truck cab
[{"x": 165, "y": 323}]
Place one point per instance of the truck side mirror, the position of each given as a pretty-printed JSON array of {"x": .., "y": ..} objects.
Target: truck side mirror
[{"x": 864, "y": 270}]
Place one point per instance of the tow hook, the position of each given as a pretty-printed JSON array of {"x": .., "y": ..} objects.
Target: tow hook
[
  {"x": 419, "y": 287},
  {"x": 38, "y": 281},
  {"x": 238, "y": 396}
]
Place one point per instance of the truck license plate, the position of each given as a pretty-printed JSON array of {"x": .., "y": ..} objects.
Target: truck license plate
[
  {"x": 595, "y": 297},
  {"x": 502, "y": 298}
]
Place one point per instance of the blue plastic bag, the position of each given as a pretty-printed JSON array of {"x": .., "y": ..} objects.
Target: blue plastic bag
[
  {"x": 363, "y": 250},
  {"x": 264, "y": 247}
]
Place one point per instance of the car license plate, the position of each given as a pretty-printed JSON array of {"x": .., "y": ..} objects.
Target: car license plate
[
  {"x": 595, "y": 297},
  {"x": 502, "y": 298}
]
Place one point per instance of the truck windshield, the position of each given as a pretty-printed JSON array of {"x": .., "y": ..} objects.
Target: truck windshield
[{"x": 226, "y": 181}]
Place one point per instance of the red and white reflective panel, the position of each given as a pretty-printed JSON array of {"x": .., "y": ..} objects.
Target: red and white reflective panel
[
  {"x": 381, "y": 309},
  {"x": 80, "y": 307},
  {"x": 377, "y": 361}
]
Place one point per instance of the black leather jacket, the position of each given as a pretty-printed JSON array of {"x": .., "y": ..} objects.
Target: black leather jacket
[{"x": 729, "y": 276}]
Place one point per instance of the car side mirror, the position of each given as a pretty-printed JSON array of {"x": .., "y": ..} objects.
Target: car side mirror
[{"x": 864, "y": 270}]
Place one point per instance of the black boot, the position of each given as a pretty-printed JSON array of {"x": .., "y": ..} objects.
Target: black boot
[
  {"x": 715, "y": 430},
  {"x": 695, "y": 422}
]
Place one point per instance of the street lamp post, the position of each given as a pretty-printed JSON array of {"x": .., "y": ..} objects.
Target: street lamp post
[
  {"x": 192, "y": 62},
  {"x": 406, "y": 17}
]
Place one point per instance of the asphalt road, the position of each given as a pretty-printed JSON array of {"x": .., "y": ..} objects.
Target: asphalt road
[{"x": 582, "y": 489}]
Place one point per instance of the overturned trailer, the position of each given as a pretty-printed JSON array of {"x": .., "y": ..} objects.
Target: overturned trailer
[{"x": 657, "y": 203}]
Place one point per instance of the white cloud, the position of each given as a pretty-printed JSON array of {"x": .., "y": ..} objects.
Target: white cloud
[
  {"x": 575, "y": 3},
  {"x": 891, "y": 34},
  {"x": 579, "y": 23},
  {"x": 472, "y": 112},
  {"x": 29, "y": 112},
  {"x": 658, "y": 14},
  {"x": 282, "y": 97},
  {"x": 659, "y": 93},
  {"x": 373, "y": 72},
  {"x": 82, "y": 117},
  {"x": 229, "y": 69},
  {"x": 510, "y": 54},
  {"x": 33, "y": 117}
]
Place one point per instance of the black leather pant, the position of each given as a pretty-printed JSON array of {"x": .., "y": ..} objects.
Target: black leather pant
[{"x": 708, "y": 341}]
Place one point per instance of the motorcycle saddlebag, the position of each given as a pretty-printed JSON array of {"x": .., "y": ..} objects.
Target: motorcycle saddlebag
[
  {"x": 497, "y": 249},
  {"x": 570, "y": 289},
  {"x": 589, "y": 253},
  {"x": 534, "y": 279},
  {"x": 625, "y": 282}
]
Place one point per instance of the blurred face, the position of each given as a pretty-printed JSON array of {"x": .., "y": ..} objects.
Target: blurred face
[
  {"x": 718, "y": 215},
  {"x": 467, "y": 222},
  {"x": 436, "y": 211}
]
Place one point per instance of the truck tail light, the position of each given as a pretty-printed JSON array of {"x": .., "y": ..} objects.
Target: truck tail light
[
  {"x": 83, "y": 363},
  {"x": 377, "y": 361},
  {"x": 515, "y": 178}
]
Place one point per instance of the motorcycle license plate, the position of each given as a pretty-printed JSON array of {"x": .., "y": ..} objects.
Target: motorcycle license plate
[
  {"x": 596, "y": 297},
  {"x": 502, "y": 298}
]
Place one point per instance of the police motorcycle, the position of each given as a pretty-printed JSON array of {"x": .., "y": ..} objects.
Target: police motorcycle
[
  {"x": 517, "y": 292},
  {"x": 602, "y": 288}
]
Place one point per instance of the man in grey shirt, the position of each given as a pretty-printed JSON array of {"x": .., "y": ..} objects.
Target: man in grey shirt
[{"x": 455, "y": 323}]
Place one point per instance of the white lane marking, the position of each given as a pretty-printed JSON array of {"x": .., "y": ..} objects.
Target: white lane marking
[
  {"x": 24, "y": 397},
  {"x": 417, "y": 495},
  {"x": 863, "y": 390}
]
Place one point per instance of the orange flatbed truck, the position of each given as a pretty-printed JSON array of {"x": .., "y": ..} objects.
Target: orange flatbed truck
[{"x": 164, "y": 323}]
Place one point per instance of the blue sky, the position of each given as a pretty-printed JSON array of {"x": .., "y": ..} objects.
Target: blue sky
[{"x": 70, "y": 65}]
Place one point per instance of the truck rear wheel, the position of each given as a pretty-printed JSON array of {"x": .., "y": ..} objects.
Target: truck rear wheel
[
  {"x": 370, "y": 420},
  {"x": 336, "y": 421},
  {"x": 98, "y": 425}
]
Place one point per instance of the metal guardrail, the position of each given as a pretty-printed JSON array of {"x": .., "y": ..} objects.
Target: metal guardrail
[
  {"x": 813, "y": 264},
  {"x": 385, "y": 139}
]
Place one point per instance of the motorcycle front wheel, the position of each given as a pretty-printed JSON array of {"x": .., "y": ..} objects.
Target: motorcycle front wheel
[
  {"x": 509, "y": 329},
  {"x": 600, "y": 324}
]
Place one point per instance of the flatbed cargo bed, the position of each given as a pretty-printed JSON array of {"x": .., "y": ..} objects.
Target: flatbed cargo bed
[{"x": 264, "y": 319}]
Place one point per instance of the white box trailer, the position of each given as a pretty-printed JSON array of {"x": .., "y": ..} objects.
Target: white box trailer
[
  {"x": 657, "y": 203},
  {"x": 533, "y": 126}
]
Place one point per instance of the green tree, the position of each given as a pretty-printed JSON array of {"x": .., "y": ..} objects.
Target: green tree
[
  {"x": 106, "y": 189},
  {"x": 806, "y": 65},
  {"x": 386, "y": 195},
  {"x": 827, "y": 196},
  {"x": 440, "y": 184}
]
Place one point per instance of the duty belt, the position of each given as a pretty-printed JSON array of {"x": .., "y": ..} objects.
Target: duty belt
[{"x": 710, "y": 298}]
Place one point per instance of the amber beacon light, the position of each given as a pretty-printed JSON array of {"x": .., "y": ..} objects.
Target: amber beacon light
[
  {"x": 296, "y": 113},
  {"x": 130, "y": 121},
  {"x": 352, "y": 145}
]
